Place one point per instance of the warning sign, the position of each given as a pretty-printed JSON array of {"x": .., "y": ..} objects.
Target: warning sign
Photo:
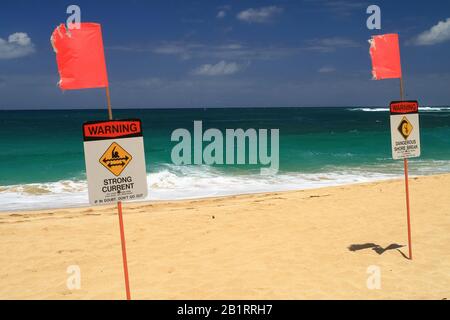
[
  {"x": 115, "y": 161},
  {"x": 405, "y": 130}
]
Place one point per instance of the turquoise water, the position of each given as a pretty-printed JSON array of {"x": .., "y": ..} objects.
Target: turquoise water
[{"x": 43, "y": 163}]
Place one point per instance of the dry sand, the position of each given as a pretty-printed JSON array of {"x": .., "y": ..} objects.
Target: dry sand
[{"x": 285, "y": 245}]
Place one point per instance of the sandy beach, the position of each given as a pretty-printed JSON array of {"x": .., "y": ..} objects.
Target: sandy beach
[{"x": 285, "y": 245}]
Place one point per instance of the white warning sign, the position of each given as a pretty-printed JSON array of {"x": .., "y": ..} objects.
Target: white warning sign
[
  {"x": 405, "y": 129},
  {"x": 115, "y": 161}
]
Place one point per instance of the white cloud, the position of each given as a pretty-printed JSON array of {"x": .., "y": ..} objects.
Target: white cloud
[
  {"x": 326, "y": 69},
  {"x": 219, "y": 69},
  {"x": 221, "y": 14},
  {"x": 331, "y": 44},
  {"x": 232, "y": 51},
  {"x": 18, "y": 45},
  {"x": 437, "y": 34},
  {"x": 223, "y": 11},
  {"x": 259, "y": 15}
]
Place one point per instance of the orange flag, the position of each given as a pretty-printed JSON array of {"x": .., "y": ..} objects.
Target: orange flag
[
  {"x": 80, "y": 56},
  {"x": 385, "y": 53}
]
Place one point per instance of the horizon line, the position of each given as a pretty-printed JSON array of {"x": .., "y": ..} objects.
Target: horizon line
[{"x": 190, "y": 108}]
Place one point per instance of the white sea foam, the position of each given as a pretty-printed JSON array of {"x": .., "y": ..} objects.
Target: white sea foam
[
  {"x": 369, "y": 109},
  {"x": 434, "y": 109},
  {"x": 189, "y": 182},
  {"x": 168, "y": 185},
  {"x": 421, "y": 109}
]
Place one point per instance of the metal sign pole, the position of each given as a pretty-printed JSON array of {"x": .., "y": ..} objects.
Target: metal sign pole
[
  {"x": 119, "y": 211},
  {"x": 405, "y": 168}
]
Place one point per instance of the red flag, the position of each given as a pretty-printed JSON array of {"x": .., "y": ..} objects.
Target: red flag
[
  {"x": 385, "y": 53},
  {"x": 80, "y": 56}
]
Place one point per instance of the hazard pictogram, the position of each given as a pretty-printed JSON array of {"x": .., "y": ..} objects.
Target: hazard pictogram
[
  {"x": 405, "y": 128},
  {"x": 115, "y": 159}
]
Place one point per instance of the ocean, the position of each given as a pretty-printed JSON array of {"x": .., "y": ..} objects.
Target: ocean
[{"x": 42, "y": 160}]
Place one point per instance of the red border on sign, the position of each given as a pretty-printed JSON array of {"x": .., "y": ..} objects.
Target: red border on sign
[
  {"x": 112, "y": 129},
  {"x": 402, "y": 107}
]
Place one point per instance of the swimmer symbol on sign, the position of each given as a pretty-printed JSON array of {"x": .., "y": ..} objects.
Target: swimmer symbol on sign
[
  {"x": 115, "y": 159},
  {"x": 405, "y": 128}
]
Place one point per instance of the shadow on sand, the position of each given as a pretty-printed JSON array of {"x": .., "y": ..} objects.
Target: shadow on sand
[{"x": 377, "y": 248}]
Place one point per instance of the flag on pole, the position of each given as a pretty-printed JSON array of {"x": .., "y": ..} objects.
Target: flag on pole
[
  {"x": 80, "y": 56},
  {"x": 385, "y": 53}
]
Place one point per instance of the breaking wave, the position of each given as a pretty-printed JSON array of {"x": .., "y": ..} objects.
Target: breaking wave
[
  {"x": 190, "y": 182},
  {"x": 421, "y": 109}
]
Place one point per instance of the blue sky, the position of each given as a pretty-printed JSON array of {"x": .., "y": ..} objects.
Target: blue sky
[{"x": 209, "y": 53}]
